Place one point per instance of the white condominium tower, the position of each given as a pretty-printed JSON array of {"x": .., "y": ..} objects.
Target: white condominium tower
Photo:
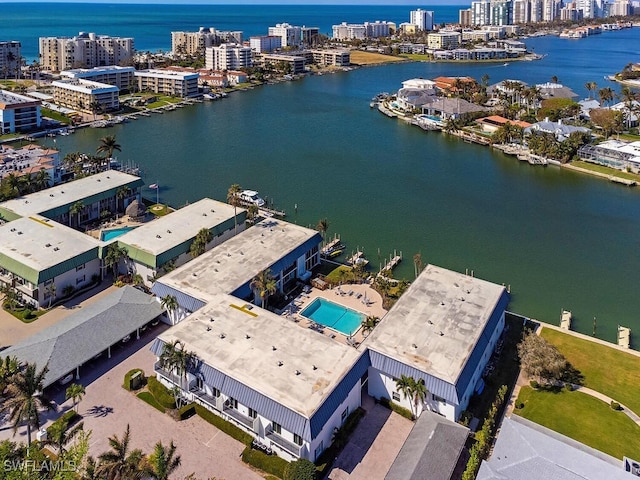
[
  {"x": 86, "y": 50},
  {"x": 228, "y": 56},
  {"x": 422, "y": 19}
]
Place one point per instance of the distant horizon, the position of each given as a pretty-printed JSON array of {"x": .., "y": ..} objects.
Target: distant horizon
[{"x": 364, "y": 3}]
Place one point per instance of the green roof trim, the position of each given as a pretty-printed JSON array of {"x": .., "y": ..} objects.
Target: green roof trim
[
  {"x": 20, "y": 269},
  {"x": 139, "y": 255},
  {"x": 8, "y": 215},
  {"x": 69, "y": 264}
]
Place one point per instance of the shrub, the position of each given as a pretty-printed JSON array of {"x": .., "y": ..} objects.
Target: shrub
[
  {"x": 519, "y": 405},
  {"x": 161, "y": 393},
  {"x": 301, "y": 469},
  {"x": 568, "y": 387},
  {"x": 325, "y": 461},
  {"x": 465, "y": 418},
  {"x": 396, "y": 408},
  {"x": 68, "y": 290},
  {"x": 28, "y": 314},
  {"x": 221, "y": 424},
  {"x": 127, "y": 378},
  {"x": 66, "y": 419},
  {"x": 187, "y": 411},
  {"x": 267, "y": 463},
  {"x": 615, "y": 405},
  {"x": 534, "y": 384},
  {"x": 150, "y": 399}
]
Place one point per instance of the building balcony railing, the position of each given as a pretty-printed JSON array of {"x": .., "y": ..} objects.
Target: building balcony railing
[
  {"x": 214, "y": 402},
  {"x": 172, "y": 377},
  {"x": 245, "y": 421},
  {"x": 290, "y": 447}
]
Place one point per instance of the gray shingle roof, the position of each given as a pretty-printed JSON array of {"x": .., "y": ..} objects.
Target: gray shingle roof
[
  {"x": 82, "y": 335},
  {"x": 431, "y": 451},
  {"x": 525, "y": 450}
]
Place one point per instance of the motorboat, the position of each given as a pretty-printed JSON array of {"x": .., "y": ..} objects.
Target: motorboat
[{"x": 251, "y": 197}]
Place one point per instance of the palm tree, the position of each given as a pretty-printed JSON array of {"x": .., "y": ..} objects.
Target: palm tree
[
  {"x": 199, "y": 245},
  {"x": 50, "y": 291},
  {"x": 591, "y": 87},
  {"x": 113, "y": 257},
  {"x": 404, "y": 386},
  {"x": 163, "y": 461},
  {"x": 233, "y": 198},
  {"x": 419, "y": 393},
  {"x": 554, "y": 79},
  {"x": 9, "y": 367},
  {"x": 606, "y": 95},
  {"x": 108, "y": 145},
  {"x": 417, "y": 263},
  {"x": 264, "y": 284},
  {"x": 119, "y": 463},
  {"x": 369, "y": 323},
  {"x": 75, "y": 392},
  {"x": 76, "y": 209},
  {"x": 252, "y": 213},
  {"x": 175, "y": 358},
  {"x": 323, "y": 227},
  {"x": 42, "y": 179},
  {"x": 26, "y": 398},
  {"x": 171, "y": 305},
  {"x": 121, "y": 194},
  {"x": 13, "y": 183},
  {"x": 95, "y": 107},
  {"x": 59, "y": 435}
]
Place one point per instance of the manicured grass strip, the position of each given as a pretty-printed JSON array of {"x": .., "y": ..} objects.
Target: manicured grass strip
[
  {"x": 583, "y": 418},
  {"x": 221, "y": 424},
  {"x": 606, "y": 170},
  {"x": 372, "y": 58},
  {"x": 161, "y": 394},
  {"x": 606, "y": 370},
  {"x": 147, "y": 397}
]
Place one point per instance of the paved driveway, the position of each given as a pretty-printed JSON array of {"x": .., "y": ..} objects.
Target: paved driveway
[{"x": 107, "y": 409}]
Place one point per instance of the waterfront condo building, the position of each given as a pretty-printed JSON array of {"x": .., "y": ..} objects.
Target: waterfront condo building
[
  {"x": 380, "y": 29},
  {"x": 336, "y": 58},
  {"x": 295, "y": 64},
  {"x": 168, "y": 82},
  {"x": 620, "y": 8},
  {"x": 423, "y": 19},
  {"x": 121, "y": 77},
  {"x": 10, "y": 59},
  {"x": 86, "y": 95},
  {"x": 228, "y": 56},
  {"x": 443, "y": 40},
  {"x": 265, "y": 43},
  {"x": 349, "y": 31},
  {"x": 501, "y": 12},
  {"x": 293, "y": 36},
  {"x": 86, "y": 50},
  {"x": 464, "y": 17},
  {"x": 18, "y": 113},
  {"x": 481, "y": 13},
  {"x": 195, "y": 43}
]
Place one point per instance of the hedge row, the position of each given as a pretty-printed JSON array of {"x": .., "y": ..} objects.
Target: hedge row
[
  {"x": 187, "y": 411},
  {"x": 221, "y": 424},
  {"x": 66, "y": 419},
  {"x": 150, "y": 399},
  {"x": 161, "y": 393},
  {"x": 267, "y": 463},
  {"x": 397, "y": 408},
  {"x": 127, "y": 378}
]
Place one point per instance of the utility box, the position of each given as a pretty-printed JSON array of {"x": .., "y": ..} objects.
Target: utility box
[{"x": 42, "y": 435}]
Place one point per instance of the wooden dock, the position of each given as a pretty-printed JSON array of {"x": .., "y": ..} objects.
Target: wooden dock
[
  {"x": 565, "y": 320},
  {"x": 624, "y": 337},
  {"x": 392, "y": 263},
  {"x": 357, "y": 259},
  {"x": 330, "y": 247}
]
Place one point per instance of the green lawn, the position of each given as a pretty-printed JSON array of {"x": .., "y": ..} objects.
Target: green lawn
[
  {"x": 606, "y": 170},
  {"x": 605, "y": 369},
  {"x": 583, "y": 418}
]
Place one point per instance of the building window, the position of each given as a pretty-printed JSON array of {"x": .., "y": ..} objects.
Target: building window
[
  {"x": 344, "y": 414},
  {"x": 276, "y": 427},
  {"x": 297, "y": 439},
  {"x": 79, "y": 280},
  {"x": 396, "y": 396},
  {"x": 233, "y": 403},
  {"x": 215, "y": 392},
  {"x": 80, "y": 267},
  {"x": 252, "y": 413},
  {"x": 437, "y": 398},
  {"x": 319, "y": 450},
  {"x": 199, "y": 383}
]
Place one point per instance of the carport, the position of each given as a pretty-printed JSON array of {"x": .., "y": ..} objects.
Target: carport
[{"x": 75, "y": 340}]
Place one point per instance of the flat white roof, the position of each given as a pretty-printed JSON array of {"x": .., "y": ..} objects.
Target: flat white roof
[
  {"x": 233, "y": 263},
  {"x": 82, "y": 72},
  {"x": 40, "y": 243},
  {"x": 436, "y": 323},
  {"x": 177, "y": 227},
  {"x": 167, "y": 74},
  {"x": 84, "y": 86},
  {"x": 67, "y": 193},
  {"x": 247, "y": 352}
]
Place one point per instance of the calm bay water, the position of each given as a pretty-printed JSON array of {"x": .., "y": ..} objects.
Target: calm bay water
[{"x": 560, "y": 239}]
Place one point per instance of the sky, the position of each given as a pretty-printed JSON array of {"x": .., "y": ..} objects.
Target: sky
[{"x": 422, "y": 3}]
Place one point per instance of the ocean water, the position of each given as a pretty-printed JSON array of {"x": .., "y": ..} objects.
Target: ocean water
[
  {"x": 151, "y": 25},
  {"x": 558, "y": 238}
]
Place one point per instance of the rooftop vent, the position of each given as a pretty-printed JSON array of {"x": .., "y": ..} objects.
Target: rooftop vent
[
  {"x": 273, "y": 347},
  {"x": 194, "y": 274},
  {"x": 441, "y": 333},
  {"x": 247, "y": 336},
  {"x": 51, "y": 194},
  {"x": 468, "y": 291},
  {"x": 215, "y": 269},
  {"x": 98, "y": 179},
  {"x": 208, "y": 328},
  {"x": 61, "y": 191},
  {"x": 298, "y": 372},
  {"x": 228, "y": 254},
  {"x": 48, "y": 245},
  {"x": 108, "y": 176},
  {"x": 211, "y": 319},
  {"x": 168, "y": 231},
  {"x": 13, "y": 229},
  {"x": 315, "y": 368},
  {"x": 204, "y": 214},
  {"x": 414, "y": 345},
  {"x": 262, "y": 234},
  {"x": 19, "y": 233},
  {"x": 55, "y": 249},
  {"x": 222, "y": 335},
  {"x": 280, "y": 363},
  {"x": 429, "y": 322},
  {"x": 241, "y": 253},
  {"x": 213, "y": 211},
  {"x": 441, "y": 303},
  {"x": 158, "y": 236}
]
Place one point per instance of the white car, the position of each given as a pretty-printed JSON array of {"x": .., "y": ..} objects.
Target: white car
[
  {"x": 66, "y": 379},
  {"x": 251, "y": 196}
]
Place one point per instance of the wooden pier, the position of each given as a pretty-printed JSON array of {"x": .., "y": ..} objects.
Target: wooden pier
[
  {"x": 565, "y": 320},
  {"x": 272, "y": 212},
  {"x": 357, "y": 259},
  {"x": 331, "y": 246},
  {"x": 624, "y": 337},
  {"x": 392, "y": 263}
]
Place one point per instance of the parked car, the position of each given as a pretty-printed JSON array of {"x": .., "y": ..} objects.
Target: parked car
[
  {"x": 66, "y": 379},
  {"x": 126, "y": 339}
]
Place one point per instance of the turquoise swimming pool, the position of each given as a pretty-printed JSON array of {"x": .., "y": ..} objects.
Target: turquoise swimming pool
[
  {"x": 107, "y": 235},
  {"x": 334, "y": 316}
]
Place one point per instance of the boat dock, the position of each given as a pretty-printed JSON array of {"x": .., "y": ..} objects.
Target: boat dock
[
  {"x": 271, "y": 212},
  {"x": 624, "y": 337},
  {"x": 357, "y": 259},
  {"x": 392, "y": 263},
  {"x": 334, "y": 248},
  {"x": 623, "y": 181},
  {"x": 565, "y": 320}
]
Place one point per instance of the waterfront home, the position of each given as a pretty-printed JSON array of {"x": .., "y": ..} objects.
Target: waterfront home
[
  {"x": 121, "y": 77},
  {"x": 613, "y": 153},
  {"x": 454, "y": 108},
  {"x": 429, "y": 86},
  {"x": 29, "y": 160},
  {"x": 492, "y": 123},
  {"x": 555, "y": 90},
  {"x": 411, "y": 99},
  {"x": 452, "y": 85},
  {"x": 18, "y": 113},
  {"x": 559, "y": 129},
  {"x": 586, "y": 106},
  {"x": 165, "y": 81},
  {"x": 629, "y": 112}
]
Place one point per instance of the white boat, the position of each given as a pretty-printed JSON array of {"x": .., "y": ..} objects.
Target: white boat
[
  {"x": 565, "y": 320},
  {"x": 252, "y": 197}
]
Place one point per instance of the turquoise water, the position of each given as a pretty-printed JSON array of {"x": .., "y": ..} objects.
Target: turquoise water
[
  {"x": 107, "y": 235},
  {"x": 334, "y": 316}
]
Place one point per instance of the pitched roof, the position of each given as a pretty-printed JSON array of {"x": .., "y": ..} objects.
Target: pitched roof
[
  {"x": 82, "y": 335},
  {"x": 431, "y": 451}
]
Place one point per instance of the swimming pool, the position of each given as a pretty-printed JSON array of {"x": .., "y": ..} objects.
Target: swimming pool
[
  {"x": 107, "y": 235},
  {"x": 334, "y": 316}
]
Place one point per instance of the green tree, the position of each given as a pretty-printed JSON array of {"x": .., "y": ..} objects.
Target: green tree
[
  {"x": 199, "y": 244},
  {"x": 9, "y": 367},
  {"x": 369, "y": 323},
  {"x": 413, "y": 390},
  {"x": 76, "y": 209},
  {"x": 540, "y": 359},
  {"x": 42, "y": 179},
  {"x": 171, "y": 305},
  {"x": 252, "y": 213},
  {"x": 119, "y": 463},
  {"x": 50, "y": 291},
  {"x": 323, "y": 227},
  {"x": 163, "y": 461},
  {"x": 75, "y": 392},
  {"x": 175, "y": 358},
  {"x": 264, "y": 284},
  {"x": 108, "y": 145},
  {"x": 606, "y": 95},
  {"x": 121, "y": 194},
  {"x": 114, "y": 255},
  {"x": 25, "y": 398},
  {"x": 233, "y": 198},
  {"x": 301, "y": 469},
  {"x": 60, "y": 435}
]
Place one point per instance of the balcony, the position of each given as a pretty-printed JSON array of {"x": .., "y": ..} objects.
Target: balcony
[
  {"x": 243, "y": 420},
  {"x": 286, "y": 445},
  {"x": 213, "y": 402},
  {"x": 172, "y": 377}
]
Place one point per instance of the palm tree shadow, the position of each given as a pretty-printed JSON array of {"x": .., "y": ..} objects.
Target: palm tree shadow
[{"x": 99, "y": 411}]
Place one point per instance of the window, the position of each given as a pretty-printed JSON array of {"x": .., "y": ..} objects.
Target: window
[
  {"x": 319, "y": 450},
  {"x": 396, "y": 396},
  {"x": 437, "y": 398},
  {"x": 297, "y": 439},
  {"x": 79, "y": 280},
  {"x": 215, "y": 392},
  {"x": 233, "y": 403},
  {"x": 80, "y": 267},
  {"x": 199, "y": 383},
  {"x": 344, "y": 414},
  {"x": 252, "y": 413},
  {"x": 276, "y": 427}
]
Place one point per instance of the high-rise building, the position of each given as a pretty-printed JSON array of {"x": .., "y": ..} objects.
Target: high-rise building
[
  {"x": 349, "y": 31},
  {"x": 465, "y": 17},
  {"x": 501, "y": 12},
  {"x": 620, "y": 8},
  {"x": 291, "y": 35},
  {"x": 86, "y": 50},
  {"x": 228, "y": 56},
  {"x": 309, "y": 36},
  {"x": 265, "y": 43},
  {"x": 570, "y": 13},
  {"x": 10, "y": 55},
  {"x": 193, "y": 43},
  {"x": 423, "y": 19},
  {"x": 521, "y": 11},
  {"x": 551, "y": 10},
  {"x": 481, "y": 12}
]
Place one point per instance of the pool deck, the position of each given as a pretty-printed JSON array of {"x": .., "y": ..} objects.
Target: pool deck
[
  {"x": 341, "y": 296},
  {"x": 124, "y": 221}
]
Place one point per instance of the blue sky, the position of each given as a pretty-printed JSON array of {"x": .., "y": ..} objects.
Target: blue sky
[{"x": 261, "y": 2}]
